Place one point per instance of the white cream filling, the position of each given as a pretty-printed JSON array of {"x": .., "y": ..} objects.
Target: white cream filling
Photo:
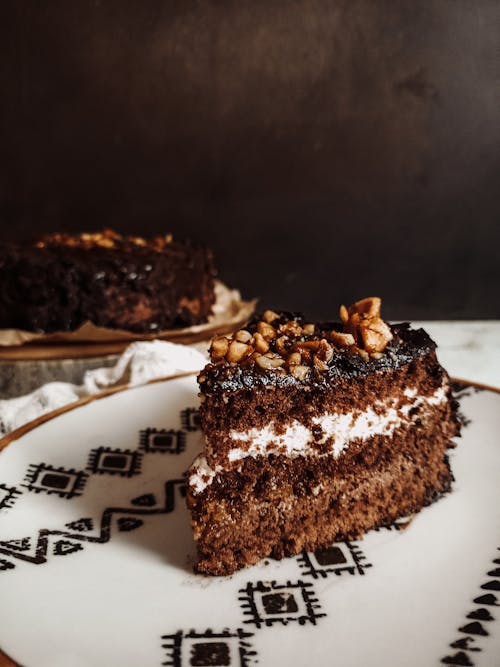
[
  {"x": 297, "y": 440},
  {"x": 202, "y": 474}
]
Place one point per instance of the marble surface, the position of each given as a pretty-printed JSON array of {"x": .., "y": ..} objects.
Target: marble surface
[{"x": 469, "y": 350}]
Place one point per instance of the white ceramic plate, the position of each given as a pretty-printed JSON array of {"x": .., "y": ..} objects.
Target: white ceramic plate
[{"x": 96, "y": 553}]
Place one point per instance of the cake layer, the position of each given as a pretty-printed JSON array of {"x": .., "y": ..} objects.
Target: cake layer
[
  {"x": 360, "y": 441},
  {"x": 302, "y": 418},
  {"x": 278, "y": 506},
  {"x": 131, "y": 283}
]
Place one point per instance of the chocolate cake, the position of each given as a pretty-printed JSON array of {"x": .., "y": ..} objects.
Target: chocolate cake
[
  {"x": 142, "y": 285},
  {"x": 316, "y": 433}
]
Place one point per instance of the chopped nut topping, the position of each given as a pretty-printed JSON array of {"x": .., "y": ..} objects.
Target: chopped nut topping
[
  {"x": 108, "y": 238},
  {"x": 270, "y": 362},
  {"x": 363, "y": 354},
  {"x": 297, "y": 348},
  {"x": 319, "y": 363},
  {"x": 237, "y": 351},
  {"x": 365, "y": 324},
  {"x": 266, "y": 330},
  {"x": 291, "y": 328},
  {"x": 369, "y": 306},
  {"x": 269, "y": 316},
  {"x": 342, "y": 339},
  {"x": 219, "y": 347},
  {"x": 137, "y": 240},
  {"x": 300, "y": 372},
  {"x": 282, "y": 344},
  {"x": 375, "y": 334},
  {"x": 308, "y": 345},
  {"x": 243, "y": 336},
  {"x": 261, "y": 344},
  {"x": 105, "y": 243},
  {"x": 325, "y": 350}
]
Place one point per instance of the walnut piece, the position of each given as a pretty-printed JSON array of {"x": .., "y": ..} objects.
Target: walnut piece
[
  {"x": 294, "y": 359},
  {"x": 291, "y": 328},
  {"x": 319, "y": 363},
  {"x": 219, "y": 347},
  {"x": 282, "y": 344},
  {"x": 342, "y": 339},
  {"x": 243, "y": 336},
  {"x": 363, "y": 322},
  {"x": 300, "y": 372},
  {"x": 370, "y": 307},
  {"x": 270, "y": 360},
  {"x": 261, "y": 344},
  {"x": 376, "y": 334},
  {"x": 269, "y": 316},
  {"x": 266, "y": 331},
  {"x": 237, "y": 351},
  {"x": 325, "y": 350},
  {"x": 137, "y": 240}
]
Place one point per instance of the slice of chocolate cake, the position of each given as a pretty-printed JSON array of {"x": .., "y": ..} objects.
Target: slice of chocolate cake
[
  {"x": 316, "y": 433},
  {"x": 142, "y": 285}
]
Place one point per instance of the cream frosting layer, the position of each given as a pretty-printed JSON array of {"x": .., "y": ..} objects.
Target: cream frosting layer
[{"x": 339, "y": 428}]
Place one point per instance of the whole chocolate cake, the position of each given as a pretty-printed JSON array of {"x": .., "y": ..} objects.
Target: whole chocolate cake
[
  {"x": 141, "y": 285},
  {"x": 316, "y": 433}
]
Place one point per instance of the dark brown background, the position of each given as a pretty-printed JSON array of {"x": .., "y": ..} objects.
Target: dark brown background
[{"x": 326, "y": 150}]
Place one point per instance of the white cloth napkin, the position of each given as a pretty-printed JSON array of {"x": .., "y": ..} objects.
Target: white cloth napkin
[{"x": 138, "y": 364}]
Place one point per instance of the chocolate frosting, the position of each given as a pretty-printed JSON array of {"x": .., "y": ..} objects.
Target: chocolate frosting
[{"x": 406, "y": 346}]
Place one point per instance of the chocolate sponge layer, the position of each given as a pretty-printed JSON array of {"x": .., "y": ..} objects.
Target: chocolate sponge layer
[{"x": 278, "y": 506}]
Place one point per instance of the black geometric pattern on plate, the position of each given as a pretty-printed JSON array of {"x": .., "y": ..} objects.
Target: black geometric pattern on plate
[
  {"x": 8, "y": 495},
  {"x": 108, "y": 461},
  {"x": 145, "y": 500},
  {"x": 81, "y": 525},
  {"x": 399, "y": 524},
  {"x": 66, "y": 547},
  {"x": 66, "y": 483},
  {"x": 475, "y": 624},
  {"x": 6, "y": 565},
  {"x": 162, "y": 441},
  {"x": 20, "y": 544},
  {"x": 190, "y": 419},
  {"x": 339, "y": 558},
  {"x": 209, "y": 649},
  {"x": 266, "y": 602},
  {"x": 64, "y": 542}
]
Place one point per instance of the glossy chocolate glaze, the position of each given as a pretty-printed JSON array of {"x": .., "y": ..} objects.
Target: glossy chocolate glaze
[{"x": 407, "y": 345}]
